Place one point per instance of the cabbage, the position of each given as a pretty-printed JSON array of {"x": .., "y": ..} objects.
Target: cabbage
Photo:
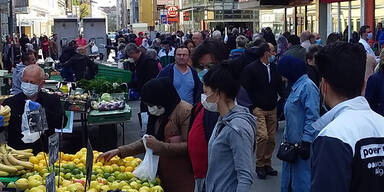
[{"x": 106, "y": 97}]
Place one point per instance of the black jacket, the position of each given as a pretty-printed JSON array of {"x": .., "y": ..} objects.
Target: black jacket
[
  {"x": 54, "y": 113},
  {"x": 255, "y": 81},
  {"x": 82, "y": 67},
  {"x": 145, "y": 69}
]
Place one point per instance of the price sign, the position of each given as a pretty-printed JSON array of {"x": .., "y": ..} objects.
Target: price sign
[
  {"x": 53, "y": 148},
  {"x": 89, "y": 164},
  {"x": 50, "y": 182}
]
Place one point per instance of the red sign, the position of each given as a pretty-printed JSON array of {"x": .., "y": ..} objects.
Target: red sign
[
  {"x": 172, "y": 11},
  {"x": 186, "y": 16}
]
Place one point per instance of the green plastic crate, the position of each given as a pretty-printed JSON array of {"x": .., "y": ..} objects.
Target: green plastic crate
[
  {"x": 113, "y": 74},
  {"x": 6, "y": 180},
  {"x": 109, "y": 117},
  {"x": 56, "y": 77}
]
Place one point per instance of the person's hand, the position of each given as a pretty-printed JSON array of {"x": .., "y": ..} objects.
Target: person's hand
[
  {"x": 108, "y": 155},
  {"x": 154, "y": 144},
  {"x": 305, "y": 150}
]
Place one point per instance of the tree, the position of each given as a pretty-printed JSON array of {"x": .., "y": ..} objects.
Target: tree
[{"x": 84, "y": 10}]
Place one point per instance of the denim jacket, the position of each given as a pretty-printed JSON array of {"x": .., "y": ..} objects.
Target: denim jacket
[{"x": 301, "y": 110}]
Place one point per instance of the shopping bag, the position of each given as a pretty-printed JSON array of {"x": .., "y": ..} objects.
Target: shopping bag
[{"x": 148, "y": 167}]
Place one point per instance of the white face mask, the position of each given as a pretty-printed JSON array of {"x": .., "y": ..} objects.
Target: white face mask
[
  {"x": 156, "y": 111},
  {"x": 208, "y": 106},
  {"x": 29, "y": 89}
]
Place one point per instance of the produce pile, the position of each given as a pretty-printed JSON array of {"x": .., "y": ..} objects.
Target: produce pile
[
  {"x": 106, "y": 176},
  {"x": 108, "y": 103},
  {"x": 5, "y": 111},
  {"x": 14, "y": 162},
  {"x": 100, "y": 86}
]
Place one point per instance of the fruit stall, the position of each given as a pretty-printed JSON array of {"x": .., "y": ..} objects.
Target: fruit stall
[{"x": 23, "y": 171}]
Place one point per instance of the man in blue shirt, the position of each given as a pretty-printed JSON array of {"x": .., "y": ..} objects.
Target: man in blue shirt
[
  {"x": 27, "y": 58},
  {"x": 185, "y": 78}
]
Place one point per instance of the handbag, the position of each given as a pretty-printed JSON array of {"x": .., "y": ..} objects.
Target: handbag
[{"x": 288, "y": 152}]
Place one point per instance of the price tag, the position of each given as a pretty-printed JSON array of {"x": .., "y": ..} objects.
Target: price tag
[
  {"x": 50, "y": 182},
  {"x": 89, "y": 164},
  {"x": 53, "y": 148}
]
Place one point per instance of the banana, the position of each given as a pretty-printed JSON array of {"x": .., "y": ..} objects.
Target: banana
[
  {"x": 6, "y": 161},
  {"x": 5, "y": 110},
  {"x": 7, "y": 117},
  {"x": 22, "y": 154},
  {"x": 3, "y": 149},
  {"x": 27, "y": 150},
  {"x": 19, "y": 167},
  {"x": 15, "y": 161},
  {"x": 7, "y": 168},
  {"x": 4, "y": 174}
]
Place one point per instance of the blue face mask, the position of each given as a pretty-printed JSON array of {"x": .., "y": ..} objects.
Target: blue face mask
[
  {"x": 369, "y": 36},
  {"x": 318, "y": 42},
  {"x": 272, "y": 59},
  {"x": 29, "y": 89},
  {"x": 202, "y": 73}
]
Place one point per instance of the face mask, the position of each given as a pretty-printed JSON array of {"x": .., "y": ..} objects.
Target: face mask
[
  {"x": 202, "y": 73},
  {"x": 208, "y": 106},
  {"x": 318, "y": 41},
  {"x": 156, "y": 111},
  {"x": 29, "y": 89},
  {"x": 369, "y": 36},
  {"x": 272, "y": 59}
]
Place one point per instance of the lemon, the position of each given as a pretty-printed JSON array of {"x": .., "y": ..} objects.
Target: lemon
[
  {"x": 129, "y": 169},
  {"x": 157, "y": 189},
  {"x": 22, "y": 184},
  {"x": 33, "y": 160}
]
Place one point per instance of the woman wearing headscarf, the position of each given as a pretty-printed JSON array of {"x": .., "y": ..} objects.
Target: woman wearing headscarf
[
  {"x": 301, "y": 110},
  {"x": 282, "y": 45},
  {"x": 167, "y": 129}
]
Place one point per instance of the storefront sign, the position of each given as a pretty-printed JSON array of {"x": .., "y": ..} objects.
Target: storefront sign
[
  {"x": 172, "y": 11},
  {"x": 173, "y": 14},
  {"x": 186, "y": 16},
  {"x": 163, "y": 19}
]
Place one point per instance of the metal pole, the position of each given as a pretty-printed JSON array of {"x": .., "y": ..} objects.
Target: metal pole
[
  {"x": 10, "y": 20},
  {"x": 338, "y": 17},
  {"x": 349, "y": 20},
  {"x": 193, "y": 19}
]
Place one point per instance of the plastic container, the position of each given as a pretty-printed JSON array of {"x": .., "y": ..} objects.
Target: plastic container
[{"x": 113, "y": 74}]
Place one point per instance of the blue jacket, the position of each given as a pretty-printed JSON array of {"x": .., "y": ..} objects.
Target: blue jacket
[
  {"x": 301, "y": 110},
  {"x": 16, "y": 79},
  {"x": 347, "y": 153},
  {"x": 231, "y": 153},
  {"x": 197, "y": 90},
  {"x": 374, "y": 92}
]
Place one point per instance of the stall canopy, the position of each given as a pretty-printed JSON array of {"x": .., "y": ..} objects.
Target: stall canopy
[
  {"x": 254, "y": 4},
  {"x": 332, "y": 1}
]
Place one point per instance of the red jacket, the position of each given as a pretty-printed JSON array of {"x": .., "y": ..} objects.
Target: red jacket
[{"x": 139, "y": 41}]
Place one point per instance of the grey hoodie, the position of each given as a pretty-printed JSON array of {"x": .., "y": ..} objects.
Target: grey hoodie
[
  {"x": 16, "y": 78},
  {"x": 231, "y": 157}
]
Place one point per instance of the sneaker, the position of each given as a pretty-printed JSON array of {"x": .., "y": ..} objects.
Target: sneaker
[
  {"x": 270, "y": 171},
  {"x": 261, "y": 173}
]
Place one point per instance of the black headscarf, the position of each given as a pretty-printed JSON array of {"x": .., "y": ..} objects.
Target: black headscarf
[
  {"x": 160, "y": 92},
  {"x": 291, "y": 68}
]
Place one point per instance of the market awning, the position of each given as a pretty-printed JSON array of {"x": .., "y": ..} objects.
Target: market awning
[
  {"x": 255, "y": 4},
  {"x": 332, "y": 1}
]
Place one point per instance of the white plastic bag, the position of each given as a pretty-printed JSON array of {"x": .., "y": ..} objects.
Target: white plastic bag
[
  {"x": 94, "y": 49},
  {"x": 148, "y": 167},
  {"x": 33, "y": 122}
]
